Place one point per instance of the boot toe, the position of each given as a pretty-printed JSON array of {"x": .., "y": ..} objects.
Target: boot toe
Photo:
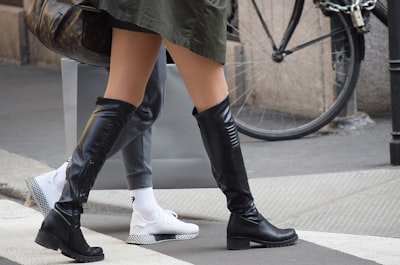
[
  {"x": 271, "y": 233},
  {"x": 242, "y": 231},
  {"x": 96, "y": 251},
  {"x": 289, "y": 233}
]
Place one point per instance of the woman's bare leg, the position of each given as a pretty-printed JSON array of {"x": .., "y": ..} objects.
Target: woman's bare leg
[
  {"x": 203, "y": 77},
  {"x": 133, "y": 56}
]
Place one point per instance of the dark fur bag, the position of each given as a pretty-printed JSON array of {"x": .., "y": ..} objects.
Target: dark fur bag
[{"x": 72, "y": 28}]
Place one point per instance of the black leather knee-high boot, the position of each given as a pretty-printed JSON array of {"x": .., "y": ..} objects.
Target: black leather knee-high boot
[
  {"x": 61, "y": 227},
  {"x": 221, "y": 141}
]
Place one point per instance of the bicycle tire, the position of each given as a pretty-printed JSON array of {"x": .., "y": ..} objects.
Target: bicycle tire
[{"x": 283, "y": 101}]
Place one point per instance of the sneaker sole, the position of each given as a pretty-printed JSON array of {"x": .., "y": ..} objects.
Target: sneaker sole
[
  {"x": 157, "y": 238},
  {"x": 38, "y": 196}
]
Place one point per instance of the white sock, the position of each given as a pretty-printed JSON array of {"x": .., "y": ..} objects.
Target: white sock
[
  {"x": 144, "y": 203},
  {"x": 60, "y": 176}
]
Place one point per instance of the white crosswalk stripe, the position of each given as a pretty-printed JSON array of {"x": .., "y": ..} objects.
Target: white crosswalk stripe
[
  {"x": 382, "y": 250},
  {"x": 18, "y": 228},
  {"x": 19, "y": 225}
]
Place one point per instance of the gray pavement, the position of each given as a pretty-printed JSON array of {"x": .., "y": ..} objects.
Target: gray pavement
[{"x": 338, "y": 189}]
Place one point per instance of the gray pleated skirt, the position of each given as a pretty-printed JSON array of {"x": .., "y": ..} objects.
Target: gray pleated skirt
[{"x": 199, "y": 25}]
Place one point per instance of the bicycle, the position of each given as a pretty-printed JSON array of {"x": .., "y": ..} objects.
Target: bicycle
[{"x": 292, "y": 88}]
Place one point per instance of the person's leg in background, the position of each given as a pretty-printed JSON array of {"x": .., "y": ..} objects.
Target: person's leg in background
[
  {"x": 46, "y": 188},
  {"x": 150, "y": 223},
  {"x": 156, "y": 224}
]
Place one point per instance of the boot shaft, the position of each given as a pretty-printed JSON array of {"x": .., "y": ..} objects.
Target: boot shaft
[
  {"x": 102, "y": 130},
  {"x": 221, "y": 141}
]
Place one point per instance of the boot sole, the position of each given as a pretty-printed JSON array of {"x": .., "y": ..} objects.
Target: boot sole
[
  {"x": 50, "y": 241},
  {"x": 78, "y": 257},
  {"x": 241, "y": 243}
]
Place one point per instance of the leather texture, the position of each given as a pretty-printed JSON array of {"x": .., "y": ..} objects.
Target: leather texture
[
  {"x": 76, "y": 29},
  {"x": 105, "y": 124},
  {"x": 222, "y": 144},
  {"x": 58, "y": 231},
  {"x": 61, "y": 227},
  {"x": 253, "y": 227},
  {"x": 221, "y": 141}
]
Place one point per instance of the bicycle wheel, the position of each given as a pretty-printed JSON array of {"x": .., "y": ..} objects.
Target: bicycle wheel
[{"x": 287, "y": 97}]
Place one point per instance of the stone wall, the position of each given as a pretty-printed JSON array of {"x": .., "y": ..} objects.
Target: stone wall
[
  {"x": 14, "y": 47},
  {"x": 18, "y": 45}
]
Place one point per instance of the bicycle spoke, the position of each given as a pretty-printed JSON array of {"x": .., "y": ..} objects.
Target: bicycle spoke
[
  {"x": 260, "y": 45},
  {"x": 274, "y": 97}
]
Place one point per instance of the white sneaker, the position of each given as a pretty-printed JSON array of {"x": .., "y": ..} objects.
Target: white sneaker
[
  {"x": 44, "y": 191},
  {"x": 166, "y": 227}
]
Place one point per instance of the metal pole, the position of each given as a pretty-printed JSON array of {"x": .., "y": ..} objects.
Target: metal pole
[{"x": 394, "y": 68}]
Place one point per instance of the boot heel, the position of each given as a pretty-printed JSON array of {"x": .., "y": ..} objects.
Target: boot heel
[
  {"x": 47, "y": 240},
  {"x": 237, "y": 243}
]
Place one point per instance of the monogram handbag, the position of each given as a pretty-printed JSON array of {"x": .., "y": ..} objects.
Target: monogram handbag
[{"x": 72, "y": 28}]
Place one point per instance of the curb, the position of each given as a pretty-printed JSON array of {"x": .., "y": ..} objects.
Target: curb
[{"x": 358, "y": 202}]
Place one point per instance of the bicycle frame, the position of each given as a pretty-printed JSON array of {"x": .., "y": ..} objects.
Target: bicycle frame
[
  {"x": 296, "y": 15},
  {"x": 281, "y": 52}
]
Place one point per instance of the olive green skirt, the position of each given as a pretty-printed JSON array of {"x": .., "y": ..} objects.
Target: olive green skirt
[{"x": 199, "y": 25}]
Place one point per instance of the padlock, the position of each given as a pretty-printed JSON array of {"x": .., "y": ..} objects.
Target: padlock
[{"x": 357, "y": 17}]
